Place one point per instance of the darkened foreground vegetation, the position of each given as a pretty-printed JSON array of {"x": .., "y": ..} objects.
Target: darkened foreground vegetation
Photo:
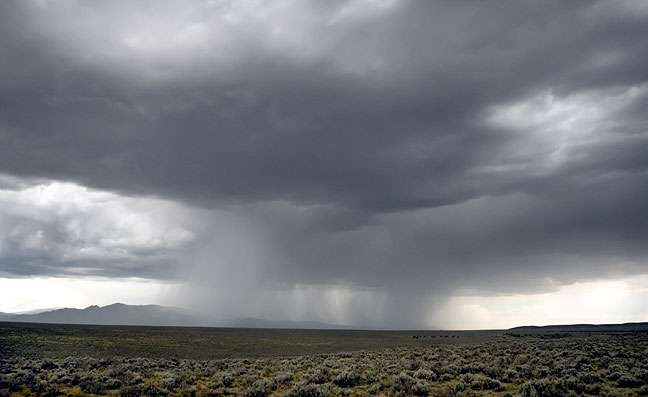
[{"x": 48, "y": 360}]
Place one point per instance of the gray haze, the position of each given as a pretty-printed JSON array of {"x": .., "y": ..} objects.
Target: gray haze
[
  {"x": 121, "y": 314},
  {"x": 354, "y": 162}
]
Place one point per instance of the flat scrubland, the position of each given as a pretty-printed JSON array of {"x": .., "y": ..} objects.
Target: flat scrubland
[{"x": 52, "y": 360}]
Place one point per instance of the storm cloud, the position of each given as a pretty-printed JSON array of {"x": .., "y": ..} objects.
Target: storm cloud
[{"x": 387, "y": 153}]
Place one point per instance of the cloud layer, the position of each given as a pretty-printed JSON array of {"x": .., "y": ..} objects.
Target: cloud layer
[
  {"x": 402, "y": 151},
  {"x": 64, "y": 229}
]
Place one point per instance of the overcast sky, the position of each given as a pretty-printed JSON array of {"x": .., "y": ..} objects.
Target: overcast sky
[{"x": 380, "y": 163}]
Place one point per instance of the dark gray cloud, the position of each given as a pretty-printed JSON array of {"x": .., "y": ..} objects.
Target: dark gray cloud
[{"x": 406, "y": 147}]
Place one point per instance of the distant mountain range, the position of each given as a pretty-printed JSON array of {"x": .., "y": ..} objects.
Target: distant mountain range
[
  {"x": 585, "y": 327},
  {"x": 154, "y": 315}
]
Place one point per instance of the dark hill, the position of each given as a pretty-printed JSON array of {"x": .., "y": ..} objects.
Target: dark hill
[{"x": 643, "y": 326}]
